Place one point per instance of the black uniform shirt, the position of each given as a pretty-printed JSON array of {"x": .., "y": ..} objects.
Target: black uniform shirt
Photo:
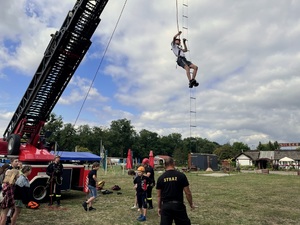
[
  {"x": 171, "y": 184},
  {"x": 55, "y": 169},
  {"x": 92, "y": 182},
  {"x": 149, "y": 169},
  {"x": 142, "y": 182}
]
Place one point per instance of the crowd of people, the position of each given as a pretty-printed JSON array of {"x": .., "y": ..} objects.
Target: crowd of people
[
  {"x": 15, "y": 191},
  {"x": 15, "y": 187},
  {"x": 170, "y": 188}
]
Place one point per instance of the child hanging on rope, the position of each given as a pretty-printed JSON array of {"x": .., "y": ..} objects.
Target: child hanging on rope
[{"x": 182, "y": 61}]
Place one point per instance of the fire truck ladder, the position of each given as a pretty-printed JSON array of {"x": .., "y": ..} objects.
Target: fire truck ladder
[
  {"x": 193, "y": 99},
  {"x": 61, "y": 59}
]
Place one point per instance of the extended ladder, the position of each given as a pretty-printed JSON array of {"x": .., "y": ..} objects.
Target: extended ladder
[
  {"x": 61, "y": 59},
  {"x": 193, "y": 100}
]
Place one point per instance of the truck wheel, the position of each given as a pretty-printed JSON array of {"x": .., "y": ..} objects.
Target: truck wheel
[
  {"x": 14, "y": 142},
  {"x": 39, "y": 190}
]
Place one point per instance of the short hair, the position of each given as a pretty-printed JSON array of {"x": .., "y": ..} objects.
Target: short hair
[
  {"x": 95, "y": 164},
  {"x": 169, "y": 161},
  {"x": 13, "y": 159}
]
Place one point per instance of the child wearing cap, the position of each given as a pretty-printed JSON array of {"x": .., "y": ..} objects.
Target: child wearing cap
[{"x": 140, "y": 184}]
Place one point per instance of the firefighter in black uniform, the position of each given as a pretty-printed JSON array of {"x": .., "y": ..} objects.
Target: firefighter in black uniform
[
  {"x": 55, "y": 171},
  {"x": 149, "y": 172},
  {"x": 170, "y": 187}
]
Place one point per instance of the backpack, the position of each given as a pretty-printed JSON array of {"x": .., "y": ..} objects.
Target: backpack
[
  {"x": 33, "y": 205},
  {"x": 116, "y": 188}
]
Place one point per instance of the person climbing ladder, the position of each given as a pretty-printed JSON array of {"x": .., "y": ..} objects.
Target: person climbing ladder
[{"x": 182, "y": 61}]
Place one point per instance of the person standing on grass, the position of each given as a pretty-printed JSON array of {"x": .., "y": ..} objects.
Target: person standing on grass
[
  {"x": 92, "y": 185},
  {"x": 170, "y": 187},
  {"x": 8, "y": 193},
  {"x": 22, "y": 193},
  {"x": 149, "y": 172},
  {"x": 141, "y": 182},
  {"x": 14, "y": 164},
  {"x": 55, "y": 172},
  {"x": 134, "y": 175}
]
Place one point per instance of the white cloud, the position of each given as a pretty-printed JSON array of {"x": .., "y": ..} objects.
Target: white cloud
[
  {"x": 247, "y": 52},
  {"x": 81, "y": 89}
]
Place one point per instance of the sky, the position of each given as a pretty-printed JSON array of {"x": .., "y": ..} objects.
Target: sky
[{"x": 248, "y": 55}]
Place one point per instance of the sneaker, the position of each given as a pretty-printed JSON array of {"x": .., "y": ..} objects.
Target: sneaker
[
  {"x": 142, "y": 218},
  {"x": 84, "y": 205},
  {"x": 91, "y": 208},
  {"x": 192, "y": 83},
  {"x": 195, "y": 83},
  {"x": 134, "y": 207},
  {"x": 150, "y": 207}
]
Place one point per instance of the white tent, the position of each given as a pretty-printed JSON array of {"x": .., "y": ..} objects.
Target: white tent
[{"x": 286, "y": 159}]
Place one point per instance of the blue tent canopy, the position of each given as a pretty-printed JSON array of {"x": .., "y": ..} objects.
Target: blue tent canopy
[{"x": 82, "y": 156}]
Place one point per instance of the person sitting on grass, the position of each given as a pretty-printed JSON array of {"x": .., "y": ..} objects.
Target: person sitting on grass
[
  {"x": 141, "y": 183},
  {"x": 92, "y": 185}
]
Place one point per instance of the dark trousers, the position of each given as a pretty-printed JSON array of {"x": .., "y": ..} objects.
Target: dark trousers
[
  {"x": 55, "y": 190},
  {"x": 149, "y": 195},
  {"x": 174, "y": 211}
]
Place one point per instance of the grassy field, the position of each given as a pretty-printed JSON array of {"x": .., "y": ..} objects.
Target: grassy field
[{"x": 244, "y": 198}]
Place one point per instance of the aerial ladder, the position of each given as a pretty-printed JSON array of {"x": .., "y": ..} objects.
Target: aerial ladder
[{"x": 63, "y": 55}]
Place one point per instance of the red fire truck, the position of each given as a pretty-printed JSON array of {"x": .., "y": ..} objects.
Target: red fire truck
[{"x": 22, "y": 137}]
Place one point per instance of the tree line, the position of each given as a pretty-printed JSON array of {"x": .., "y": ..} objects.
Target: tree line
[{"x": 121, "y": 136}]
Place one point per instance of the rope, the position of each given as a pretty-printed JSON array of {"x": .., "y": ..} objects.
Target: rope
[
  {"x": 101, "y": 61},
  {"x": 177, "y": 15}
]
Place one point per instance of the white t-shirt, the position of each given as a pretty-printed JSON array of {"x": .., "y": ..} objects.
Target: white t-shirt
[{"x": 176, "y": 48}]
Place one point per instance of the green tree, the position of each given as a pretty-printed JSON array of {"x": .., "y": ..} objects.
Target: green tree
[
  {"x": 121, "y": 137},
  {"x": 168, "y": 144},
  {"x": 147, "y": 141},
  {"x": 67, "y": 139},
  {"x": 224, "y": 152},
  {"x": 52, "y": 127},
  {"x": 238, "y": 147},
  {"x": 276, "y": 146}
]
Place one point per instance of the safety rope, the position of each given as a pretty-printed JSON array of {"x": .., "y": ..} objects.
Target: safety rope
[
  {"x": 100, "y": 63},
  {"x": 177, "y": 16}
]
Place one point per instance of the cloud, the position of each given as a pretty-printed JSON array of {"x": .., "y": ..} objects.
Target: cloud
[
  {"x": 80, "y": 89},
  {"x": 247, "y": 53}
]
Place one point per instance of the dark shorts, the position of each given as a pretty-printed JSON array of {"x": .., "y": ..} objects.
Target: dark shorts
[
  {"x": 174, "y": 211},
  {"x": 182, "y": 62},
  {"x": 142, "y": 200}
]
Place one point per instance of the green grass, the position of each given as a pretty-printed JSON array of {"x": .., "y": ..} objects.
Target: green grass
[{"x": 244, "y": 198}]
